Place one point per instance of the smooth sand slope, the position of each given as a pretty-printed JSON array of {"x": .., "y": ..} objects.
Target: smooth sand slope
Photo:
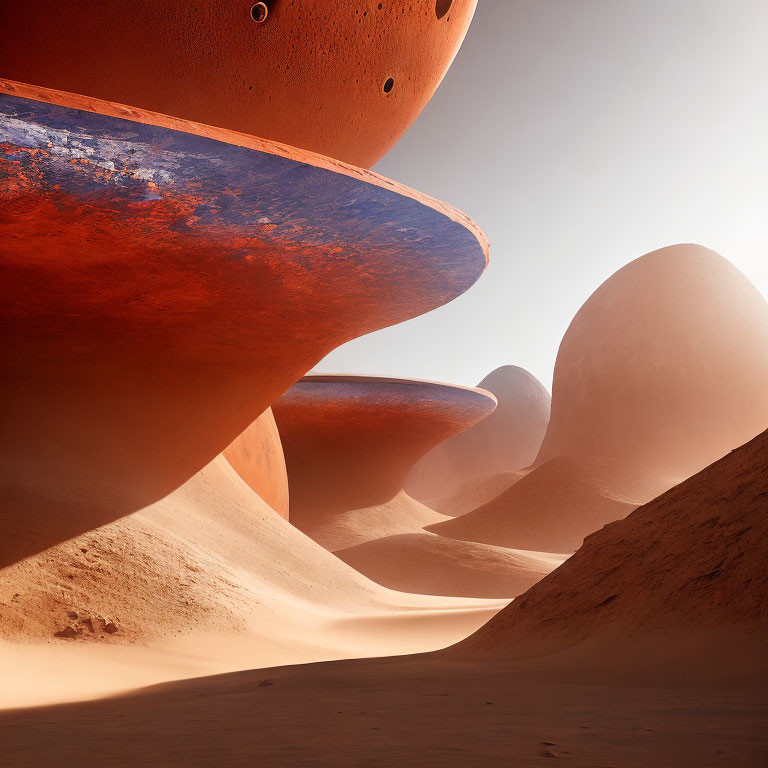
[
  {"x": 662, "y": 371},
  {"x": 207, "y": 579},
  {"x": 507, "y": 440},
  {"x": 555, "y": 505},
  {"x": 428, "y": 564},
  {"x": 475, "y": 492},
  {"x": 312, "y": 76},
  {"x": 164, "y": 282},
  {"x": 654, "y": 631},
  {"x": 350, "y": 442},
  {"x": 400, "y": 515}
]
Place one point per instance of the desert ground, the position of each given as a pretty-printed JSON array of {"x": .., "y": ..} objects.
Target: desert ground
[
  {"x": 214, "y": 554},
  {"x": 588, "y": 678},
  {"x": 207, "y": 629}
]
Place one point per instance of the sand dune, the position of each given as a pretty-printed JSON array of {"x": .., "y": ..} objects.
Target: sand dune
[
  {"x": 474, "y": 493},
  {"x": 683, "y": 576},
  {"x": 349, "y": 443},
  {"x": 207, "y": 579},
  {"x": 507, "y": 440},
  {"x": 402, "y": 514},
  {"x": 553, "y": 507},
  {"x": 428, "y": 564},
  {"x": 647, "y": 647}
]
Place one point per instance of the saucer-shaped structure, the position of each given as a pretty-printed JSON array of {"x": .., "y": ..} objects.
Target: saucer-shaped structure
[
  {"x": 343, "y": 78},
  {"x": 257, "y": 456},
  {"x": 164, "y": 282},
  {"x": 350, "y": 442},
  {"x": 506, "y": 441}
]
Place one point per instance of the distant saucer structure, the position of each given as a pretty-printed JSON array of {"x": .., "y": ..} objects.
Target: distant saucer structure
[
  {"x": 350, "y": 442},
  {"x": 164, "y": 282},
  {"x": 345, "y": 79}
]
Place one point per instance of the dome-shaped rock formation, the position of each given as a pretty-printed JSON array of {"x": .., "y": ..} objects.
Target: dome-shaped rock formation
[
  {"x": 662, "y": 371},
  {"x": 508, "y": 440},
  {"x": 665, "y": 365}
]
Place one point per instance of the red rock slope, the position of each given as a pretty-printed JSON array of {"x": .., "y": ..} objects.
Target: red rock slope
[{"x": 686, "y": 570}]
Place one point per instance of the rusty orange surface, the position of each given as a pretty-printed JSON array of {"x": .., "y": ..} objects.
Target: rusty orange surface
[
  {"x": 350, "y": 441},
  {"x": 162, "y": 286},
  {"x": 343, "y": 78},
  {"x": 257, "y": 456}
]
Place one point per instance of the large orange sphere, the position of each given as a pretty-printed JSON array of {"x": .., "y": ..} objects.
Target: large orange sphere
[{"x": 344, "y": 78}]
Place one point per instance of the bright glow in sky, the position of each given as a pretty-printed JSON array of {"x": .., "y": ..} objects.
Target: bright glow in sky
[{"x": 581, "y": 134}]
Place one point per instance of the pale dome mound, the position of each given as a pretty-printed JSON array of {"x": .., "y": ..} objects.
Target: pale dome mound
[
  {"x": 505, "y": 441},
  {"x": 665, "y": 365}
]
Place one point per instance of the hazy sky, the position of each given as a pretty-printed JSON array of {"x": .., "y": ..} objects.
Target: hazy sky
[{"x": 581, "y": 134}]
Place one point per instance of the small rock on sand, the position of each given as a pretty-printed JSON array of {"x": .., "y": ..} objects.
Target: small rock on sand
[{"x": 69, "y": 632}]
